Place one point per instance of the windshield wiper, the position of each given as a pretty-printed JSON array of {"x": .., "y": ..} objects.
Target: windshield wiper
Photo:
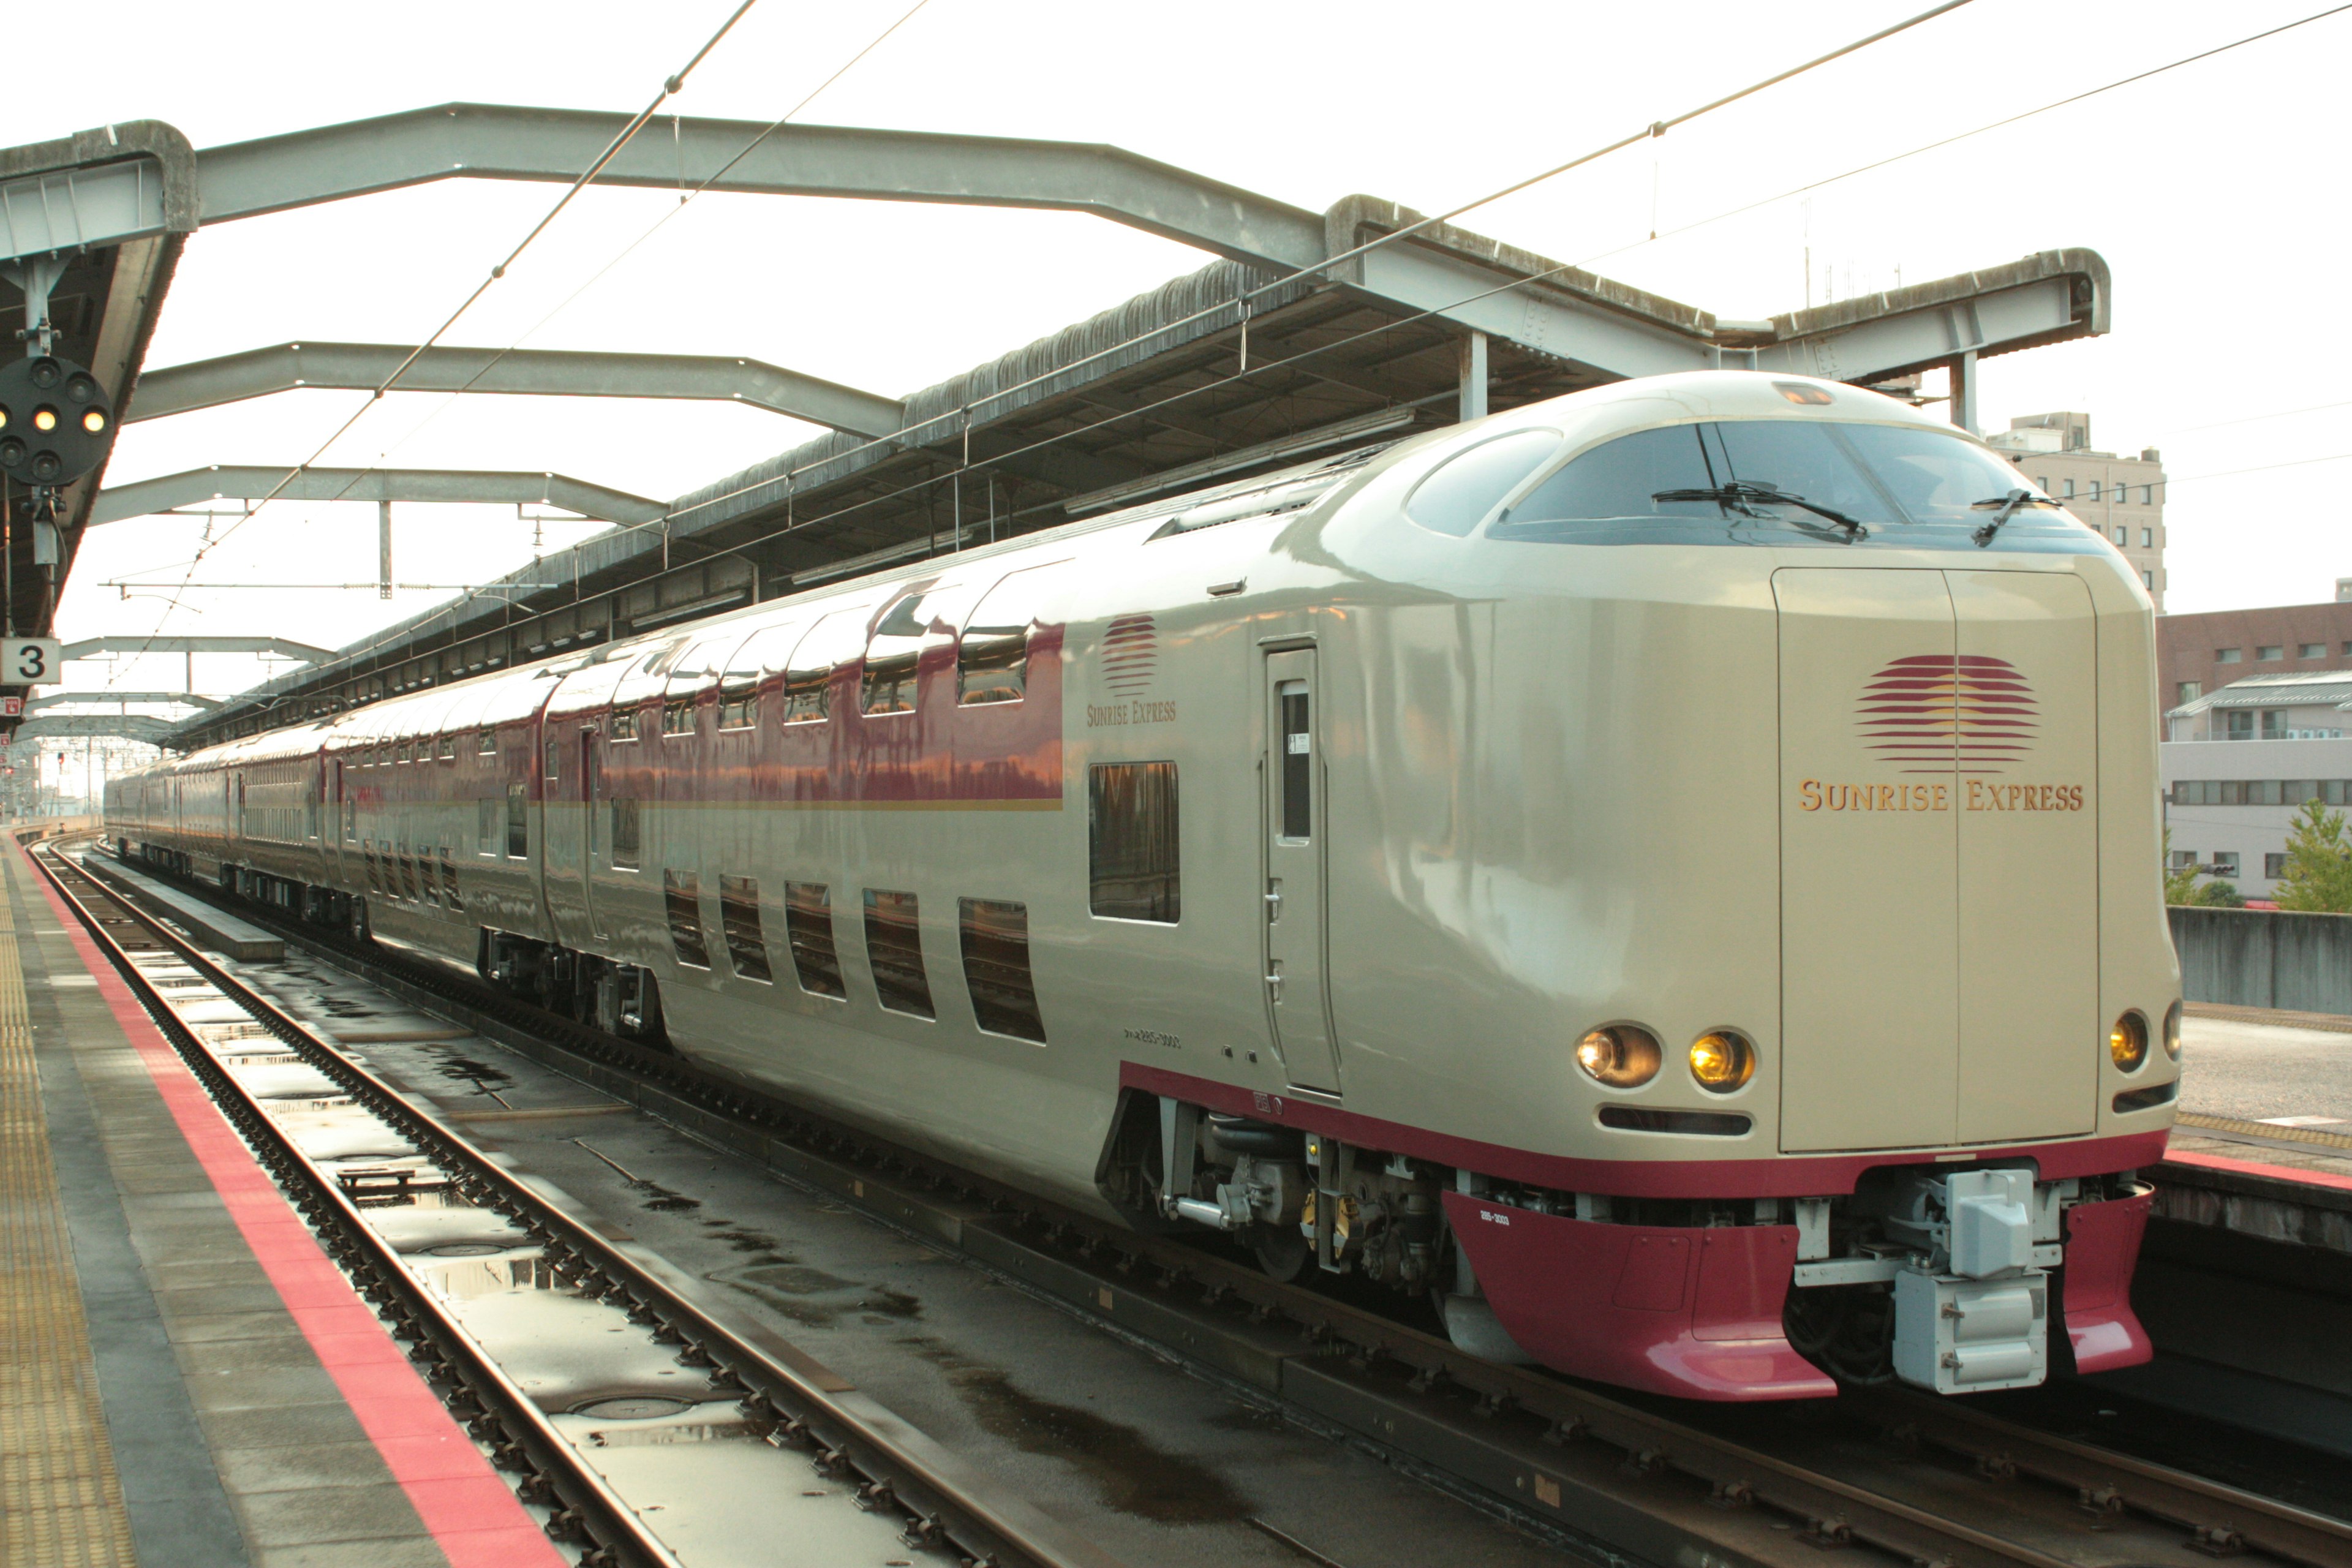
[
  {"x": 1743, "y": 493},
  {"x": 2007, "y": 508}
]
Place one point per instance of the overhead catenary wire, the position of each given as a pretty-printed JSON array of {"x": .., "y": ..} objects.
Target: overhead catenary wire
[
  {"x": 912, "y": 433},
  {"x": 686, "y": 198},
  {"x": 1651, "y": 131},
  {"x": 670, "y": 87},
  {"x": 1503, "y": 287},
  {"x": 985, "y": 466}
]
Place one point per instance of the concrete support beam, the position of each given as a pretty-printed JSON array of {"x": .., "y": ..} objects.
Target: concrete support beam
[
  {"x": 73, "y": 699},
  {"x": 90, "y": 647},
  {"x": 147, "y": 497},
  {"x": 1474, "y": 376},
  {"x": 497, "y": 141},
  {"x": 135, "y": 726},
  {"x": 285, "y": 367}
]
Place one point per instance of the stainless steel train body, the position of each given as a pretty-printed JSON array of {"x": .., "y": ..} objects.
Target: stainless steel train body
[{"x": 1697, "y": 938}]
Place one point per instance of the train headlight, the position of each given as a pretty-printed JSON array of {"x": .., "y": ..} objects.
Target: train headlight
[
  {"x": 2172, "y": 1032},
  {"x": 2127, "y": 1042},
  {"x": 1623, "y": 1055},
  {"x": 1722, "y": 1062}
]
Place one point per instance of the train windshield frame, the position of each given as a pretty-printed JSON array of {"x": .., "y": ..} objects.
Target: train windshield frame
[{"x": 1721, "y": 481}]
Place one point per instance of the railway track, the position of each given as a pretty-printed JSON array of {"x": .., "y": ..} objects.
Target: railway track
[
  {"x": 1884, "y": 1475},
  {"x": 428, "y": 1228}
]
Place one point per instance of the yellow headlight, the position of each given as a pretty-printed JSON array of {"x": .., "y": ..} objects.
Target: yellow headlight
[
  {"x": 2127, "y": 1042},
  {"x": 1623, "y": 1055},
  {"x": 1721, "y": 1061},
  {"x": 2172, "y": 1032}
]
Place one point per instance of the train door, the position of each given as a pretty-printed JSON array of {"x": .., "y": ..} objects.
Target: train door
[
  {"x": 2029, "y": 856},
  {"x": 591, "y": 824},
  {"x": 1869, "y": 856},
  {"x": 1291, "y": 774}
]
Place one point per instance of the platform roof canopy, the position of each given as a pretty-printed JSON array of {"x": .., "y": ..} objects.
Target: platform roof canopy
[{"x": 1342, "y": 344}]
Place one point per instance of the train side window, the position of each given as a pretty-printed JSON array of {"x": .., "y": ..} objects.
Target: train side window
[
  {"x": 1132, "y": 866},
  {"x": 894, "y": 949},
  {"x": 554, "y": 757},
  {"x": 808, "y": 677},
  {"x": 992, "y": 658},
  {"x": 994, "y": 936},
  {"x": 808, "y": 929},
  {"x": 400, "y": 752},
  {"x": 738, "y": 917},
  {"x": 895, "y": 654},
  {"x": 449, "y": 894},
  {"x": 445, "y": 748},
  {"x": 487, "y": 744},
  {"x": 682, "y": 899},
  {"x": 1297, "y": 762},
  {"x": 625, "y": 725},
  {"x": 765, "y": 653},
  {"x": 1457, "y": 497},
  {"x": 519, "y": 822},
  {"x": 677, "y": 718},
  {"x": 625, "y": 834},
  {"x": 485, "y": 826}
]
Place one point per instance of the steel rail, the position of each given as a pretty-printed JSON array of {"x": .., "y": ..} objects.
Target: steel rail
[
  {"x": 2216, "y": 1518},
  {"x": 801, "y": 1403}
]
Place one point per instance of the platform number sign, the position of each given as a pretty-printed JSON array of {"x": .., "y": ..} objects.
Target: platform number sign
[{"x": 32, "y": 662}]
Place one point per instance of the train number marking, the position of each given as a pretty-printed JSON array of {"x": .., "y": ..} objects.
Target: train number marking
[{"x": 1155, "y": 1037}]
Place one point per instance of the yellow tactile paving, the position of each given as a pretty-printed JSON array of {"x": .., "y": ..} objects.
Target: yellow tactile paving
[
  {"x": 60, "y": 1501},
  {"x": 2269, "y": 1130}
]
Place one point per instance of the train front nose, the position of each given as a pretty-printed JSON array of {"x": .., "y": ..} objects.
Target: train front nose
[{"x": 1939, "y": 875}]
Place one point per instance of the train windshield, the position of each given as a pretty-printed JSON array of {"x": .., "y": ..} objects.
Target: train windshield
[{"x": 1743, "y": 477}]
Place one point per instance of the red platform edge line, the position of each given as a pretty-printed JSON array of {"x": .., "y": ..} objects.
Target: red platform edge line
[{"x": 474, "y": 1516}]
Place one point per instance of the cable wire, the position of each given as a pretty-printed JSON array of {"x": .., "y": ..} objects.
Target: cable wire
[
  {"x": 684, "y": 199},
  {"x": 790, "y": 475},
  {"x": 669, "y": 87}
]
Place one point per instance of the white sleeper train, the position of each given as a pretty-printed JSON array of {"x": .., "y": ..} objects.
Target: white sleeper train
[{"x": 1669, "y": 874}]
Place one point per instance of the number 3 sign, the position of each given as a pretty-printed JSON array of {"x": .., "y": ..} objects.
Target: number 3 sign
[{"x": 32, "y": 662}]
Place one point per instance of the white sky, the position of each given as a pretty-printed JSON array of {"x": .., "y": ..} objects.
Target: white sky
[{"x": 2198, "y": 187}]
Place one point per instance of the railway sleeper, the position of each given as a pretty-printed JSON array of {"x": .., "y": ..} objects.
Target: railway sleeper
[{"x": 1940, "y": 1277}]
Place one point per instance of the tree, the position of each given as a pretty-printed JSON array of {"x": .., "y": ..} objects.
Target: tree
[
  {"x": 2179, "y": 881},
  {"x": 2318, "y": 862},
  {"x": 2219, "y": 894}
]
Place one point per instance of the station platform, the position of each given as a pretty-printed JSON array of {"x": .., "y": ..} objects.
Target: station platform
[
  {"x": 186, "y": 1378},
  {"x": 2245, "y": 1278},
  {"x": 2263, "y": 1143},
  {"x": 215, "y": 930}
]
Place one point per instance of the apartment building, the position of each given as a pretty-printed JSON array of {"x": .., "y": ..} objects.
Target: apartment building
[{"x": 2122, "y": 497}]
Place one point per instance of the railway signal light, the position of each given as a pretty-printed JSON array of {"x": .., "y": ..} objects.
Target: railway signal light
[{"x": 57, "y": 422}]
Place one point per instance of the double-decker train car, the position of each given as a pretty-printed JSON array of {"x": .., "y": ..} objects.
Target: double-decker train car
[{"x": 1668, "y": 875}]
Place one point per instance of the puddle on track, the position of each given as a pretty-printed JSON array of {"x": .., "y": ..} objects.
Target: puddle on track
[
  {"x": 1132, "y": 1474},
  {"x": 677, "y": 1450}
]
